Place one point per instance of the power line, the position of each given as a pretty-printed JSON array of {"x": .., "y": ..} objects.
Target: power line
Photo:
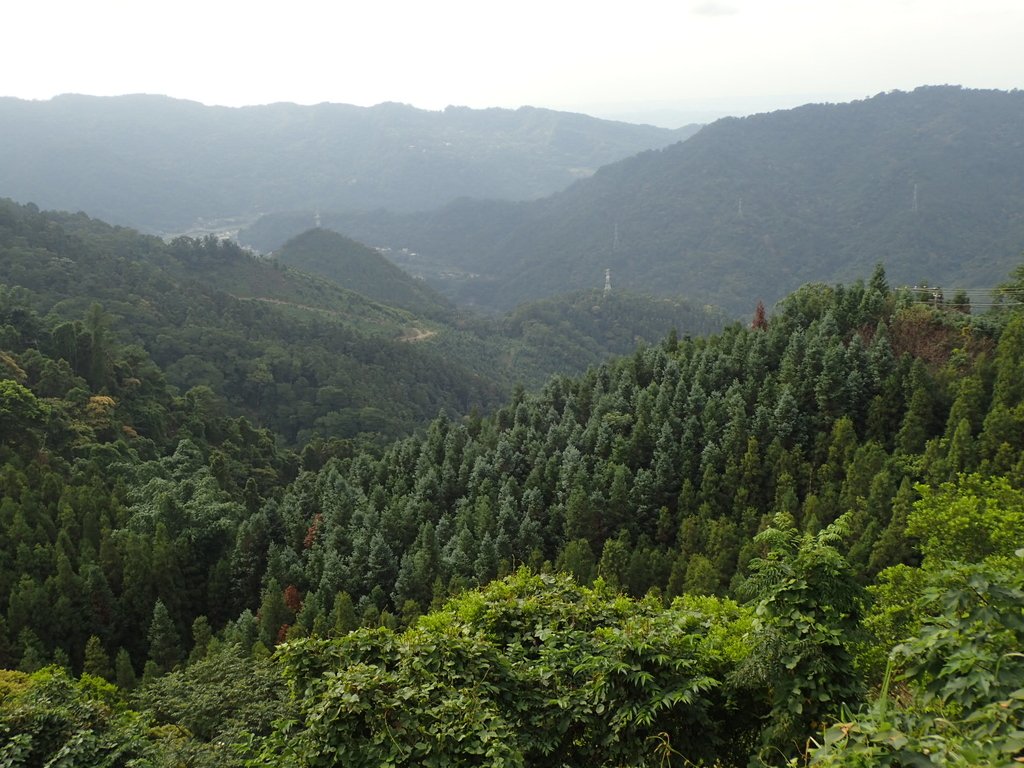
[
  {"x": 972, "y": 291},
  {"x": 986, "y": 292},
  {"x": 974, "y": 304},
  {"x": 936, "y": 296},
  {"x": 965, "y": 290}
]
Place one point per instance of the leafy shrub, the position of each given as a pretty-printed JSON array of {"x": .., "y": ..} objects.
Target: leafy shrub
[
  {"x": 965, "y": 673},
  {"x": 532, "y": 670}
]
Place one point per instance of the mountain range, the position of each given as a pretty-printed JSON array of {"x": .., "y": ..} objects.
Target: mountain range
[
  {"x": 169, "y": 166},
  {"x": 930, "y": 183}
]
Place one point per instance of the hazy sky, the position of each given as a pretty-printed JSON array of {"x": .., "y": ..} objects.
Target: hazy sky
[{"x": 668, "y": 61}]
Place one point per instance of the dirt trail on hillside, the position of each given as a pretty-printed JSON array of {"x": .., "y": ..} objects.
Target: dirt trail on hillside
[{"x": 417, "y": 334}]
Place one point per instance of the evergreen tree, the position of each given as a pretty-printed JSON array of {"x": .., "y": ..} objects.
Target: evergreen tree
[
  {"x": 124, "y": 672},
  {"x": 273, "y": 615},
  {"x": 164, "y": 641},
  {"x": 917, "y": 422},
  {"x": 32, "y": 653},
  {"x": 97, "y": 662},
  {"x": 201, "y": 637},
  {"x": 343, "y": 614},
  {"x": 577, "y": 559}
]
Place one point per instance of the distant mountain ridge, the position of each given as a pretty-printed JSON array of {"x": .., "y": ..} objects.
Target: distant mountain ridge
[
  {"x": 167, "y": 165},
  {"x": 930, "y": 183}
]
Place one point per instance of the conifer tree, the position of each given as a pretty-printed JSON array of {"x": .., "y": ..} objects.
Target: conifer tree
[
  {"x": 274, "y": 614},
  {"x": 760, "y": 322},
  {"x": 201, "y": 637},
  {"x": 1008, "y": 388},
  {"x": 577, "y": 559},
  {"x": 701, "y": 577},
  {"x": 164, "y": 640},
  {"x": 32, "y": 652},
  {"x": 917, "y": 422},
  {"x": 124, "y": 672},
  {"x": 97, "y": 662}
]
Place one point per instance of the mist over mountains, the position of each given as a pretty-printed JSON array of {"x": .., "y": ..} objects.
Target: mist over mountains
[
  {"x": 170, "y": 166},
  {"x": 930, "y": 183}
]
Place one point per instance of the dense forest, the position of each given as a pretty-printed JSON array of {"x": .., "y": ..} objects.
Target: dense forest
[
  {"x": 300, "y": 354},
  {"x": 928, "y": 182},
  {"x": 792, "y": 542}
]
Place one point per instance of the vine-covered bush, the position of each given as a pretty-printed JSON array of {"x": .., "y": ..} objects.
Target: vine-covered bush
[
  {"x": 532, "y": 670},
  {"x": 964, "y": 676}
]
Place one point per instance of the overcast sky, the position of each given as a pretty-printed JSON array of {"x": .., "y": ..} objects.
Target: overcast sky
[{"x": 664, "y": 62}]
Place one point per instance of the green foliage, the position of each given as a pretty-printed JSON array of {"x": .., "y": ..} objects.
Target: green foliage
[
  {"x": 358, "y": 268},
  {"x": 223, "y": 702},
  {"x": 97, "y": 662},
  {"x": 21, "y": 414},
  {"x": 532, "y": 670},
  {"x": 124, "y": 672},
  {"x": 291, "y": 351},
  {"x": 656, "y": 472},
  {"x": 809, "y": 610},
  {"x": 164, "y": 642},
  {"x": 585, "y": 327},
  {"x": 969, "y": 520},
  {"x": 893, "y": 615},
  {"x": 965, "y": 677},
  {"x": 969, "y": 655},
  {"x": 50, "y": 719},
  {"x": 972, "y": 520}
]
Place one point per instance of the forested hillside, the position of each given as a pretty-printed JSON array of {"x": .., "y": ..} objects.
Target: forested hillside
[
  {"x": 312, "y": 358},
  {"x": 928, "y": 182},
  {"x": 299, "y": 353},
  {"x": 166, "y": 165},
  {"x": 724, "y": 536},
  {"x": 359, "y": 268},
  {"x": 657, "y": 471}
]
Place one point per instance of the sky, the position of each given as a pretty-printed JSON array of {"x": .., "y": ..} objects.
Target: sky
[{"x": 667, "y": 63}]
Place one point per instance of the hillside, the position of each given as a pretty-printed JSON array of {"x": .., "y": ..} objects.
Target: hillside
[
  {"x": 299, "y": 353},
  {"x": 790, "y": 544},
  {"x": 165, "y": 165},
  {"x": 584, "y": 328},
  {"x": 289, "y": 351},
  {"x": 930, "y": 183},
  {"x": 358, "y": 268}
]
